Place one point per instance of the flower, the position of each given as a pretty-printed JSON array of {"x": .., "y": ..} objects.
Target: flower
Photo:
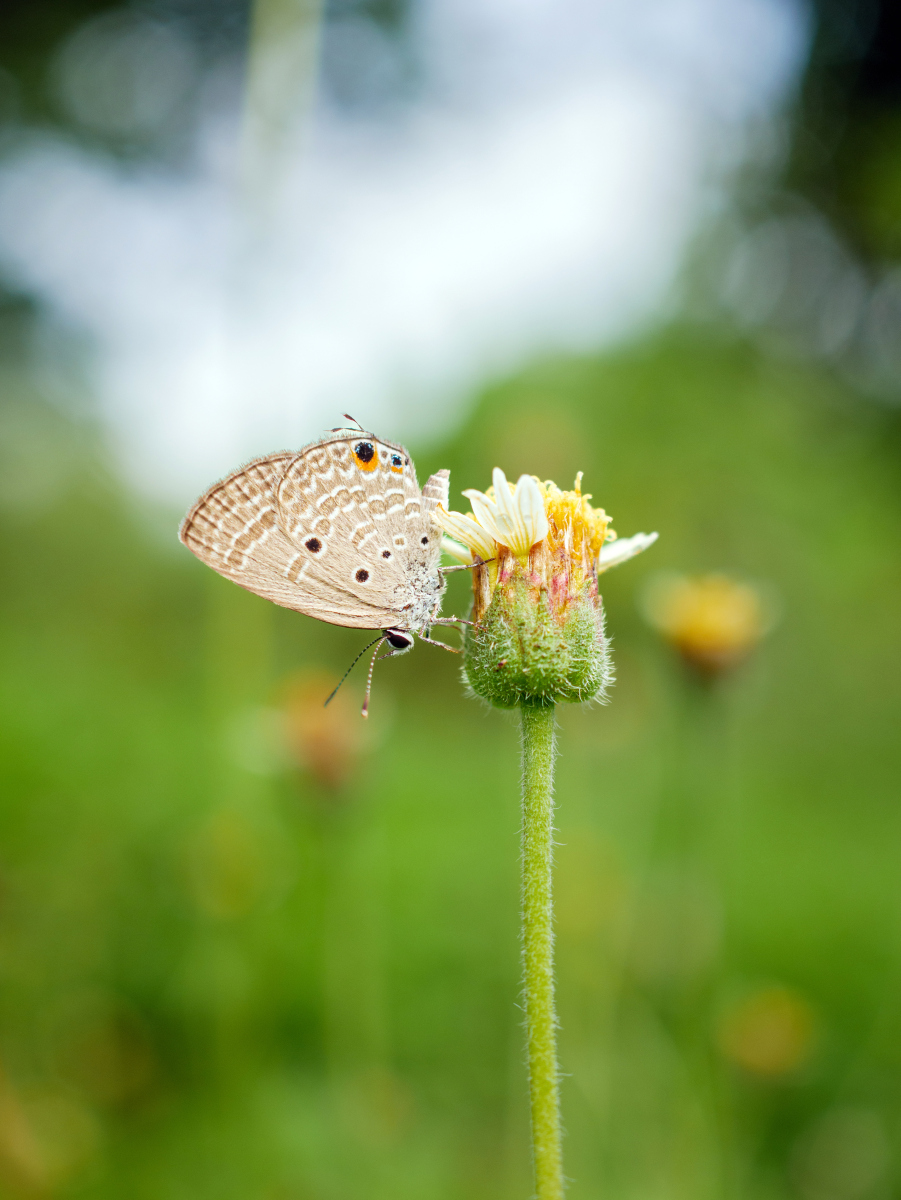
[
  {"x": 769, "y": 1033},
  {"x": 538, "y": 625},
  {"x": 509, "y": 521},
  {"x": 713, "y": 621},
  {"x": 325, "y": 743}
]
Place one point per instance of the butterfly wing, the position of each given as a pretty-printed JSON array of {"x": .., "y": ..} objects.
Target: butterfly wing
[
  {"x": 234, "y": 526},
  {"x": 325, "y": 532},
  {"x": 436, "y": 491}
]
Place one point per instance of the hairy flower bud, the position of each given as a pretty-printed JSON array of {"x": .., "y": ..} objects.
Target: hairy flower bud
[{"x": 536, "y": 643}]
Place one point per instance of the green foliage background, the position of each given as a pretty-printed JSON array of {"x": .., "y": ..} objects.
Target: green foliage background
[{"x": 219, "y": 980}]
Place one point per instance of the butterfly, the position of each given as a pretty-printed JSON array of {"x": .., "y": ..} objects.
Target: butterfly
[{"x": 338, "y": 530}]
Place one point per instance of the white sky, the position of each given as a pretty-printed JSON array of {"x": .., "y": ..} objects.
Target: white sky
[{"x": 539, "y": 192}]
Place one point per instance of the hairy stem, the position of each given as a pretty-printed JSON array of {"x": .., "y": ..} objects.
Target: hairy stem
[{"x": 538, "y": 752}]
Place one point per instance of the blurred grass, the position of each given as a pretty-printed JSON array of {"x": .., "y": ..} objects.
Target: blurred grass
[{"x": 223, "y": 977}]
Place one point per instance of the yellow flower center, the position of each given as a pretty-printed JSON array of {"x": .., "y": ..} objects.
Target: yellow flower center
[{"x": 571, "y": 511}]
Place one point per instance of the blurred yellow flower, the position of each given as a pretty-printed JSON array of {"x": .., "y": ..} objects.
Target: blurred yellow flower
[
  {"x": 325, "y": 742},
  {"x": 714, "y": 621},
  {"x": 22, "y": 1167},
  {"x": 770, "y": 1033},
  {"x": 47, "y": 1136}
]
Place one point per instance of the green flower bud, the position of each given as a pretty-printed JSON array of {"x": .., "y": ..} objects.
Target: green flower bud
[{"x": 528, "y": 650}]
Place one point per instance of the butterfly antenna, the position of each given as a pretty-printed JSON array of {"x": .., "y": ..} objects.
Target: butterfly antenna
[
  {"x": 364, "y": 712},
  {"x": 355, "y": 421},
  {"x": 350, "y": 668}
]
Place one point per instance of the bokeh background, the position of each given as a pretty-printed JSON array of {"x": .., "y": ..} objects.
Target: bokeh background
[{"x": 251, "y": 949}]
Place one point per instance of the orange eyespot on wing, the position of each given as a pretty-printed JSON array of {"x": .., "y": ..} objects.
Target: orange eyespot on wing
[
  {"x": 365, "y": 456},
  {"x": 396, "y": 463}
]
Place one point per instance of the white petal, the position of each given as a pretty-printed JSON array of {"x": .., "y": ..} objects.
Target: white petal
[
  {"x": 485, "y": 511},
  {"x": 456, "y": 550},
  {"x": 508, "y": 515},
  {"x": 501, "y": 489},
  {"x": 531, "y": 506},
  {"x": 521, "y": 518},
  {"x": 622, "y": 549},
  {"x": 467, "y": 530}
]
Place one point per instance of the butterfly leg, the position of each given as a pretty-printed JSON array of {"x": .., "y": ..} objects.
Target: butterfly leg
[
  {"x": 479, "y": 562},
  {"x": 463, "y": 567},
  {"x": 444, "y": 646},
  {"x": 452, "y": 621}
]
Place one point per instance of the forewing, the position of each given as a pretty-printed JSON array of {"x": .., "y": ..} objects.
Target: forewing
[
  {"x": 362, "y": 527},
  {"x": 345, "y": 518}
]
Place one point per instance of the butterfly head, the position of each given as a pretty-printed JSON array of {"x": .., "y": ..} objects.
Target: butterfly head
[{"x": 399, "y": 640}]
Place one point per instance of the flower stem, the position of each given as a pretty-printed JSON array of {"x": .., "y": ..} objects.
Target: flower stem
[{"x": 538, "y": 752}]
